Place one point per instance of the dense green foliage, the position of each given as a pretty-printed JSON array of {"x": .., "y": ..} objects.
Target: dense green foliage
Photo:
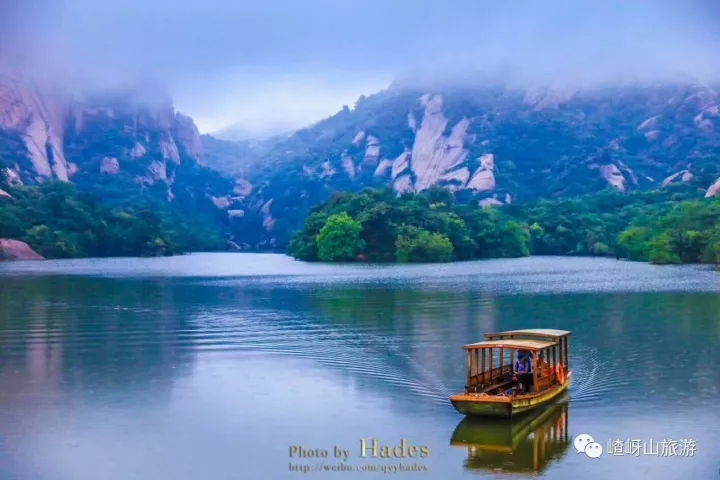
[
  {"x": 659, "y": 227},
  {"x": 417, "y": 245},
  {"x": 425, "y": 227},
  {"x": 102, "y": 218},
  {"x": 339, "y": 239},
  {"x": 58, "y": 222},
  {"x": 656, "y": 226},
  {"x": 688, "y": 233}
]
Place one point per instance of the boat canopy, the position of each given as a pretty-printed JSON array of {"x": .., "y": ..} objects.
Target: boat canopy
[
  {"x": 531, "y": 332},
  {"x": 521, "y": 344}
]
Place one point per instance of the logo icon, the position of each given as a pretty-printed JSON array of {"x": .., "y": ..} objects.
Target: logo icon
[{"x": 586, "y": 444}]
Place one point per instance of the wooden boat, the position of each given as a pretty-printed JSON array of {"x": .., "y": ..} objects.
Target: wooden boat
[
  {"x": 493, "y": 387},
  {"x": 527, "y": 444}
]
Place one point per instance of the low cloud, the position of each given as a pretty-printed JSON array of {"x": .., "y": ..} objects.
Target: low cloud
[{"x": 310, "y": 57}]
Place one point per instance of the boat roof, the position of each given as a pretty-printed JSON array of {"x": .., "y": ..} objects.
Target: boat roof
[
  {"x": 519, "y": 343},
  {"x": 537, "y": 332}
]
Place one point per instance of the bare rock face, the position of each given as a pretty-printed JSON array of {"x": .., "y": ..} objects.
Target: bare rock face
[
  {"x": 138, "y": 151},
  {"x": 327, "y": 170},
  {"x": 490, "y": 202},
  {"x": 221, "y": 202},
  {"x": 347, "y": 164},
  {"x": 706, "y": 125},
  {"x": 242, "y": 187},
  {"x": 157, "y": 171},
  {"x": 614, "y": 176},
  {"x": 383, "y": 167},
  {"x": 649, "y": 124},
  {"x": 17, "y": 250},
  {"x": 372, "y": 151},
  {"x": 12, "y": 177},
  {"x": 713, "y": 190},
  {"x": 39, "y": 118},
  {"x": 683, "y": 175},
  {"x": 110, "y": 166},
  {"x": 400, "y": 167},
  {"x": 429, "y": 157},
  {"x": 358, "y": 138},
  {"x": 169, "y": 149},
  {"x": 268, "y": 220},
  {"x": 188, "y": 137},
  {"x": 456, "y": 179},
  {"x": 40, "y": 115},
  {"x": 436, "y": 158},
  {"x": 403, "y": 184},
  {"x": 652, "y": 135},
  {"x": 484, "y": 179}
]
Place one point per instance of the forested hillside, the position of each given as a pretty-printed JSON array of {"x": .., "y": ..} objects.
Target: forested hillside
[
  {"x": 57, "y": 221},
  {"x": 105, "y": 175},
  {"x": 496, "y": 145}
]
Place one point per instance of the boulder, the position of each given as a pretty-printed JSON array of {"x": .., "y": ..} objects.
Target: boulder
[{"x": 17, "y": 250}]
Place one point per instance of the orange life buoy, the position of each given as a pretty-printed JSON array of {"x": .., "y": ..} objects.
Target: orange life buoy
[{"x": 560, "y": 373}]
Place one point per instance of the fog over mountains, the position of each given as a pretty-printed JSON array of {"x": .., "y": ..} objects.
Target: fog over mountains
[
  {"x": 499, "y": 103},
  {"x": 217, "y": 57}
]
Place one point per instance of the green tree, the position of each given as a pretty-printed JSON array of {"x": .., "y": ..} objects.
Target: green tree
[
  {"x": 537, "y": 234},
  {"x": 515, "y": 240},
  {"x": 303, "y": 244},
  {"x": 661, "y": 251},
  {"x": 634, "y": 243},
  {"x": 417, "y": 245},
  {"x": 600, "y": 249},
  {"x": 339, "y": 240}
]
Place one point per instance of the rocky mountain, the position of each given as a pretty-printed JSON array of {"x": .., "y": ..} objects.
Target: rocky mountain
[
  {"x": 123, "y": 147},
  {"x": 64, "y": 135},
  {"x": 493, "y": 145},
  {"x": 489, "y": 144}
]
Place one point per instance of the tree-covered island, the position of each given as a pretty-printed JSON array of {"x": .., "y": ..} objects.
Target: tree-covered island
[{"x": 380, "y": 226}]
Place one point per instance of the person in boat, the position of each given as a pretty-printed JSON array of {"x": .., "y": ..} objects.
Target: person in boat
[
  {"x": 544, "y": 368},
  {"x": 523, "y": 370}
]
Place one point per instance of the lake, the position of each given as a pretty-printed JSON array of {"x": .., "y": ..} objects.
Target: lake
[{"x": 220, "y": 366}]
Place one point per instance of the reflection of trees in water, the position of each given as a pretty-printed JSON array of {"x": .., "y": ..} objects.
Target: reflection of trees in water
[
  {"x": 91, "y": 333},
  {"x": 669, "y": 337},
  {"x": 421, "y": 323},
  {"x": 528, "y": 444}
]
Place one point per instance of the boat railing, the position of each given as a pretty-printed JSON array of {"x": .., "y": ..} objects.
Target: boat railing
[
  {"x": 546, "y": 378},
  {"x": 485, "y": 378}
]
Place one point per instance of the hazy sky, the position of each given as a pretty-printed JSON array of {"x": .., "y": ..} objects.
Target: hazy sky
[{"x": 281, "y": 63}]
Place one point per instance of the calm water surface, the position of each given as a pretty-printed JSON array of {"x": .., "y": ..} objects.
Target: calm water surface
[{"x": 215, "y": 365}]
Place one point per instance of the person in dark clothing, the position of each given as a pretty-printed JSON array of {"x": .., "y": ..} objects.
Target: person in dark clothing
[{"x": 523, "y": 370}]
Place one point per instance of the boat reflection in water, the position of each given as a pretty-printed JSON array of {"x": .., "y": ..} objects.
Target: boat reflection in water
[{"x": 524, "y": 445}]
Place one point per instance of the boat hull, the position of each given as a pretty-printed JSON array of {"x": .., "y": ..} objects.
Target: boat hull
[{"x": 505, "y": 407}]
